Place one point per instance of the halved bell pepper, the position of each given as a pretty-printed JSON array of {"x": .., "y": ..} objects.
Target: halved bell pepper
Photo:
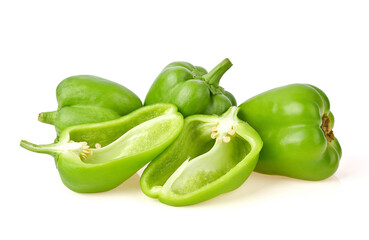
[
  {"x": 192, "y": 89},
  {"x": 295, "y": 124},
  {"x": 121, "y": 147},
  {"x": 89, "y": 99},
  {"x": 211, "y": 156}
]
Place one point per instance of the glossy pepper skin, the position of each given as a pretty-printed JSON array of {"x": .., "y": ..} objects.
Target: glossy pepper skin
[
  {"x": 122, "y": 147},
  {"x": 192, "y": 89},
  {"x": 211, "y": 156},
  {"x": 295, "y": 124},
  {"x": 89, "y": 99}
]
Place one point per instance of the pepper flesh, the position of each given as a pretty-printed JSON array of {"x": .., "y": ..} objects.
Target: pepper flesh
[
  {"x": 122, "y": 147},
  {"x": 295, "y": 124},
  {"x": 89, "y": 99},
  {"x": 192, "y": 89},
  {"x": 211, "y": 156}
]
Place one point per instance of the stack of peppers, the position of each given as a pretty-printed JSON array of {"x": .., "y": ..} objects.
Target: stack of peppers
[{"x": 197, "y": 142}]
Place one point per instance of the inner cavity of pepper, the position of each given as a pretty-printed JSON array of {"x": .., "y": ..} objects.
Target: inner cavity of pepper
[{"x": 328, "y": 132}]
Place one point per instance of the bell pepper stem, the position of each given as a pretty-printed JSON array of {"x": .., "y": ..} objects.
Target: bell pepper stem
[
  {"x": 47, "y": 148},
  {"x": 214, "y": 76},
  {"x": 80, "y": 148},
  {"x": 47, "y": 117}
]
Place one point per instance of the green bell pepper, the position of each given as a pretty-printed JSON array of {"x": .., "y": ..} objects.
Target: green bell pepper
[
  {"x": 295, "y": 124},
  {"x": 89, "y": 99},
  {"x": 122, "y": 147},
  {"x": 211, "y": 156},
  {"x": 192, "y": 89}
]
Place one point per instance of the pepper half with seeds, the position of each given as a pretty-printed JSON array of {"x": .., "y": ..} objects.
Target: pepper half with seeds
[
  {"x": 122, "y": 147},
  {"x": 211, "y": 156}
]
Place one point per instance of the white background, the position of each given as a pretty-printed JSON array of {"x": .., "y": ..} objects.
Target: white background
[{"x": 271, "y": 43}]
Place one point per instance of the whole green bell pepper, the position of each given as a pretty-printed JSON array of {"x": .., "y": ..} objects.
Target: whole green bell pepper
[
  {"x": 89, "y": 99},
  {"x": 122, "y": 147},
  {"x": 211, "y": 156},
  {"x": 295, "y": 124},
  {"x": 192, "y": 89}
]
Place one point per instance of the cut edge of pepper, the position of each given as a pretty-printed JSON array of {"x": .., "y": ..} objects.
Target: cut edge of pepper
[{"x": 81, "y": 148}]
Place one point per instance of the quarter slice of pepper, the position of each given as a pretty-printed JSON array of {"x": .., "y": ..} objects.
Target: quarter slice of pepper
[
  {"x": 98, "y": 157},
  {"x": 211, "y": 156}
]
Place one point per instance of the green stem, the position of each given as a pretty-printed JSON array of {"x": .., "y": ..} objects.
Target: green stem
[
  {"x": 80, "y": 148},
  {"x": 46, "y": 148},
  {"x": 214, "y": 76},
  {"x": 48, "y": 117}
]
